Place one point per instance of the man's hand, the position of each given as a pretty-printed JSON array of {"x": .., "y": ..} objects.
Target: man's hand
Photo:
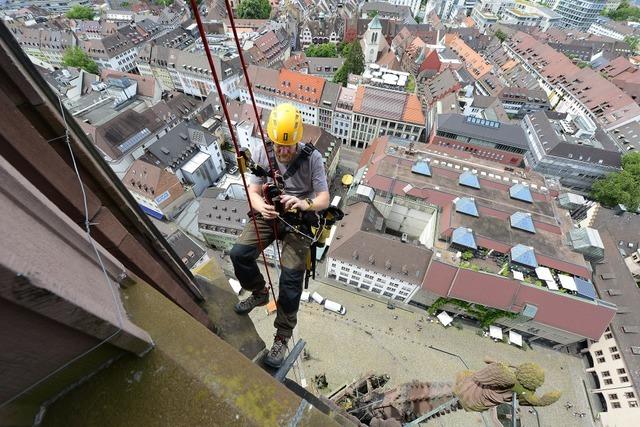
[
  {"x": 292, "y": 202},
  {"x": 266, "y": 210}
]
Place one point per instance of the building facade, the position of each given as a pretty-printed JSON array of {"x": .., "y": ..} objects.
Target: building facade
[
  {"x": 566, "y": 156},
  {"x": 579, "y": 14}
]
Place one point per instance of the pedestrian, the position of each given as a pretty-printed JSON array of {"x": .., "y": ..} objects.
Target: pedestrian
[{"x": 305, "y": 189}]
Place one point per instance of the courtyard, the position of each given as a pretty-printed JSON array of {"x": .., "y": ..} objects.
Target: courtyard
[{"x": 407, "y": 346}]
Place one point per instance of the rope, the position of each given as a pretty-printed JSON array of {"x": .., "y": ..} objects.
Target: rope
[
  {"x": 205, "y": 44},
  {"x": 255, "y": 107}
]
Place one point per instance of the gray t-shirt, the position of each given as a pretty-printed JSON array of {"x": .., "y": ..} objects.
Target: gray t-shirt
[{"x": 309, "y": 180}]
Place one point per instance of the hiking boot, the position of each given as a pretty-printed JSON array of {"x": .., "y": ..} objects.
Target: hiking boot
[
  {"x": 275, "y": 357},
  {"x": 256, "y": 299}
]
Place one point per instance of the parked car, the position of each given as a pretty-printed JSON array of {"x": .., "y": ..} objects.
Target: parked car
[{"x": 335, "y": 307}]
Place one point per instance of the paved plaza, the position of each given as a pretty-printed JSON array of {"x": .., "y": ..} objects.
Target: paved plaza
[{"x": 371, "y": 337}]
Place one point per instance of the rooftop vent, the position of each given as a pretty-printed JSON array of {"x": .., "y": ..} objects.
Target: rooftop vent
[
  {"x": 372, "y": 260},
  {"x": 387, "y": 264}
]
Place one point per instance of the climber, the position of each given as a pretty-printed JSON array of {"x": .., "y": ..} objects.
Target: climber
[{"x": 281, "y": 209}]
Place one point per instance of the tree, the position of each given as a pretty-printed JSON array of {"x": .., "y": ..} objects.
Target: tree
[
  {"x": 163, "y": 2},
  {"x": 624, "y": 12},
  {"x": 80, "y": 12},
  {"x": 254, "y": 9},
  {"x": 501, "y": 35},
  {"x": 325, "y": 50},
  {"x": 340, "y": 48},
  {"x": 632, "y": 41},
  {"x": 353, "y": 62},
  {"x": 621, "y": 187},
  {"x": 355, "y": 58},
  {"x": 76, "y": 57},
  {"x": 411, "y": 84},
  {"x": 372, "y": 14}
]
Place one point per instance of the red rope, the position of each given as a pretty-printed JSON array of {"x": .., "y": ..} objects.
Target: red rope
[
  {"x": 227, "y": 116},
  {"x": 255, "y": 111}
]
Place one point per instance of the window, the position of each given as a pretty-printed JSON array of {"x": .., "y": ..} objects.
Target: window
[
  {"x": 599, "y": 353},
  {"x": 608, "y": 381},
  {"x": 633, "y": 404},
  {"x": 616, "y": 356},
  {"x": 608, "y": 335},
  {"x": 615, "y": 405},
  {"x": 366, "y": 288},
  {"x": 376, "y": 290},
  {"x": 613, "y": 349},
  {"x": 629, "y": 395},
  {"x": 613, "y": 396},
  {"x": 600, "y": 359},
  {"x": 622, "y": 371},
  {"x": 606, "y": 374},
  {"x": 388, "y": 294},
  {"x": 624, "y": 379}
]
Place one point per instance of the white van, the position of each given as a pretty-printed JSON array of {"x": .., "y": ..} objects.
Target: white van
[
  {"x": 317, "y": 298},
  {"x": 306, "y": 296},
  {"x": 335, "y": 307}
]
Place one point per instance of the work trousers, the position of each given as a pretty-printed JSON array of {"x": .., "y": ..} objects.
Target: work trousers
[{"x": 295, "y": 249}]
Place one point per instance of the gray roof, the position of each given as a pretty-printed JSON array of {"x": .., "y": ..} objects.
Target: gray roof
[
  {"x": 323, "y": 62},
  {"x": 186, "y": 248},
  {"x": 506, "y": 134},
  {"x": 615, "y": 284},
  {"x": 558, "y": 146},
  {"x": 179, "y": 145},
  {"x": 330, "y": 94},
  {"x": 359, "y": 243},
  {"x": 221, "y": 213},
  {"x": 627, "y": 135},
  {"x": 385, "y": 8}
]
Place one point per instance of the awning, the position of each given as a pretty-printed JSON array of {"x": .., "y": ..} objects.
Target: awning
[
  {"x": 567, "y": 282},
  {"x": 515, "y": 338},
  {"x": 585, "y": 289},
  {"x": 347, "y": 179},
  {"x": 551, "y": 284},
  {"x": 495, "y": 332},
  {"x": 444, "y": 318},
  {"x": 544, "y": 273}
]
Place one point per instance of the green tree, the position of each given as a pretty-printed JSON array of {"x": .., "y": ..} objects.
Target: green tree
[
  {"x": 325, "y": 50},
  {"x": 341, "y": 75},
  {"x": 163, "y": 2},
  {"x": 632, "y": 41},
  {"x": 355, "y": 58},
  {"x": 340, "y": 47},
  {"x": 624, "y": 12},
  {"x": 353, "y": 62},
  {"x": 411, "y": 84},
  {"x": 76, "y": 57},
  {"x": 80, "y": 12},
  {"x": 621, "y": 187},
  {"x": 372, "y": 14},
  {"x": 501, "y": 35},
  {"x": 254, "y": 9}
]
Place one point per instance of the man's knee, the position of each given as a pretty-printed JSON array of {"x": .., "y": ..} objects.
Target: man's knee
[
  {"x": 242, "y": 253},
  {"x": 290, "y": 289}
]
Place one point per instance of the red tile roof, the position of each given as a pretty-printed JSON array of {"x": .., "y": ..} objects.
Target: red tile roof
[
  {"x": 301, "y": 87},
  {"x": 580, "y": 317}
]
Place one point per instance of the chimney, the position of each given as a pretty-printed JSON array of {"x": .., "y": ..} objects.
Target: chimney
[
  {"x": 372, "y": 260},
  {"x": 355, "y": 254},
  {"x": 387, "y": 264}
]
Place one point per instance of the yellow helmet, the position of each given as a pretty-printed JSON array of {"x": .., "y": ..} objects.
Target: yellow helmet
[{"x": 285, "y": 125}]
